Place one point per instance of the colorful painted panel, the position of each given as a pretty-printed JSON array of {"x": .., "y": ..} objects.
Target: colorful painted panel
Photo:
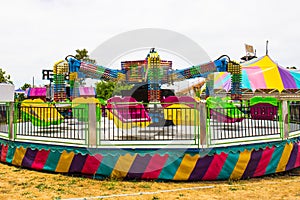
[{"x": 238, "y": 162}]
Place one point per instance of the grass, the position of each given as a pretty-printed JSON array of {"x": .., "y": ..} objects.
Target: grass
[
  {"x": 233, "y": 189},
  {"x": 17, "y": 183},
  {"x": 145, "y": 186}
]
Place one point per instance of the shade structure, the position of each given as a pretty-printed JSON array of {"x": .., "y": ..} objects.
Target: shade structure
[
  {"x": 261, "y": 73},
  {"x": 20, "y": 91},
  {"x": 36, "y": 92}
]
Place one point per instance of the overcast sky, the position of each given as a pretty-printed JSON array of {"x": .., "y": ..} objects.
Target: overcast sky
[{"x": 34, "y": 34}]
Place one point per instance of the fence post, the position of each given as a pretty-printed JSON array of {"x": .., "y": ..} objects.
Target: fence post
[
  {"x": 285, "y": 119},
  {"x": 11, "y": 121},
  {"x": 203, "y": 114},
  {"x": 92, "y": 140}
]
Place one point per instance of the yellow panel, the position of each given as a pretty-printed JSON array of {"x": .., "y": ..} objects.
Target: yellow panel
[
  {"x": 182, "y": 114},
  {"x": 64, "y": 162},
  {"x": 263, "y": 62},
  {"x": 218, "y": 75},
  {"x": 241, "y": 165},
  {"x": 186, "y": 167},
  {"x": 84, "y": 100},
  {"x": 18, "y": 156},
  {"x": 33, "y": 106},
  {"x": 284, "y": 157},
  {"x": 272, "y": 78},
  {"x": 122, "y": 166}
]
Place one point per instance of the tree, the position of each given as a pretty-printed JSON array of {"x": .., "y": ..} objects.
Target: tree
[
  {"x": 122, "y": 86},
  {"x": 25, "y": 86},
  {"x": 291, "y": 67},
  {"x": 21, "y": 97},
  {"x": 104, "y": 89},
  {"x": 4, "y": 78},
  {"x": 83, "y": 55}
]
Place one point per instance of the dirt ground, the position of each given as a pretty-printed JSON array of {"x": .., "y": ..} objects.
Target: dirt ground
[{"x": 18, "y": 183}]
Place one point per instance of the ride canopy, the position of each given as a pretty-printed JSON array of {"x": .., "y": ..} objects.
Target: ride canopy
[{"x": 261, "y": 73}]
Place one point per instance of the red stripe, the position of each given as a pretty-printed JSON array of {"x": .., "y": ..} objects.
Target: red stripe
[
  {"x": 264, "y": 161},
  {"x": 91, "y": 164},
  {"x": 3, "y": 153},
  {"x": 215, "y": 167},
  {"x": 40, "y": 159},
  {"x": 155, "y": 166},
  {"x": 297, "y": 163}
]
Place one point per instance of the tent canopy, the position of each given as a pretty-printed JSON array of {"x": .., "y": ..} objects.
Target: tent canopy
[
  {"x": 20, "y": 91},
  {"x": 261, "y": 73},
  {"x": 36, "y": 92}
]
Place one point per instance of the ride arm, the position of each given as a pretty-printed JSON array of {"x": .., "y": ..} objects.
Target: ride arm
[
  {"x": 94, "y": 71},
  {"x": 219, "y": 65}
]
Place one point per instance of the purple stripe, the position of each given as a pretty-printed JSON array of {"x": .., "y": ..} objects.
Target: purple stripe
[
  {"x": 252, "y": 164},
  {"x": 202, "y": 165},
  {"x": 77, "y": 163},
  {"x": 29, "y": 157},
  {"x": 287, "y": 79},
  {"x": 138, "y": 167},
  {"x": 293, "y": 157}
]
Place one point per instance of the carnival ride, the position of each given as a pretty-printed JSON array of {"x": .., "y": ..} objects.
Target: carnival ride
[
  {"x": 222, "y": 109},
  {"x": 183, "y": 139},
  {"x": 151, "y": 72},
  {"x": 81, "y": 104},
  {"x": 39, "y": 113},
  {"x": 127, "y": 112}
]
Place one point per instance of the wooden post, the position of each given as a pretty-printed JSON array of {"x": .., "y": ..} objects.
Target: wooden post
[
  {"x": 92, "y": 140},
  {"x": 11, "y": 120},
  {"x": 285, "y": 123},
  {"x": 203, "y": 114}
]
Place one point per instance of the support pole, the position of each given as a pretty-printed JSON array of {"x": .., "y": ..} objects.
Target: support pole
[
  {"x": 92, "y": 136},
  {"x": 285, "y": 123},
  {"x": 203, "y": 114},
  {"x": 11, "y": 120}
]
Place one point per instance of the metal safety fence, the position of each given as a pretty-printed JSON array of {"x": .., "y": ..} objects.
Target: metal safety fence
[
  {"x": 294, "y": 116},
  {"x": 242, "y": 122},
  {"x": 46, "y": 121},
  {"x": 4, "y": 118},
  {"x": 150, "y": 124}
]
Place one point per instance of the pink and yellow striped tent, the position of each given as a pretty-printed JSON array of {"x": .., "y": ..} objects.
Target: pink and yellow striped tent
[{"x": 261, "y": 73}]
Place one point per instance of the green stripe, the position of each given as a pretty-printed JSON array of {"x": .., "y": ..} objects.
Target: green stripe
[
  {"x": 10, "y": 153},
  {"x": 229, "y": 165},
  {"x": 52, "y": 161},
  {"x": 272, "y": 166},
  {"x": 171, "y": 167},
  {"x": 107, "y": 165}
]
